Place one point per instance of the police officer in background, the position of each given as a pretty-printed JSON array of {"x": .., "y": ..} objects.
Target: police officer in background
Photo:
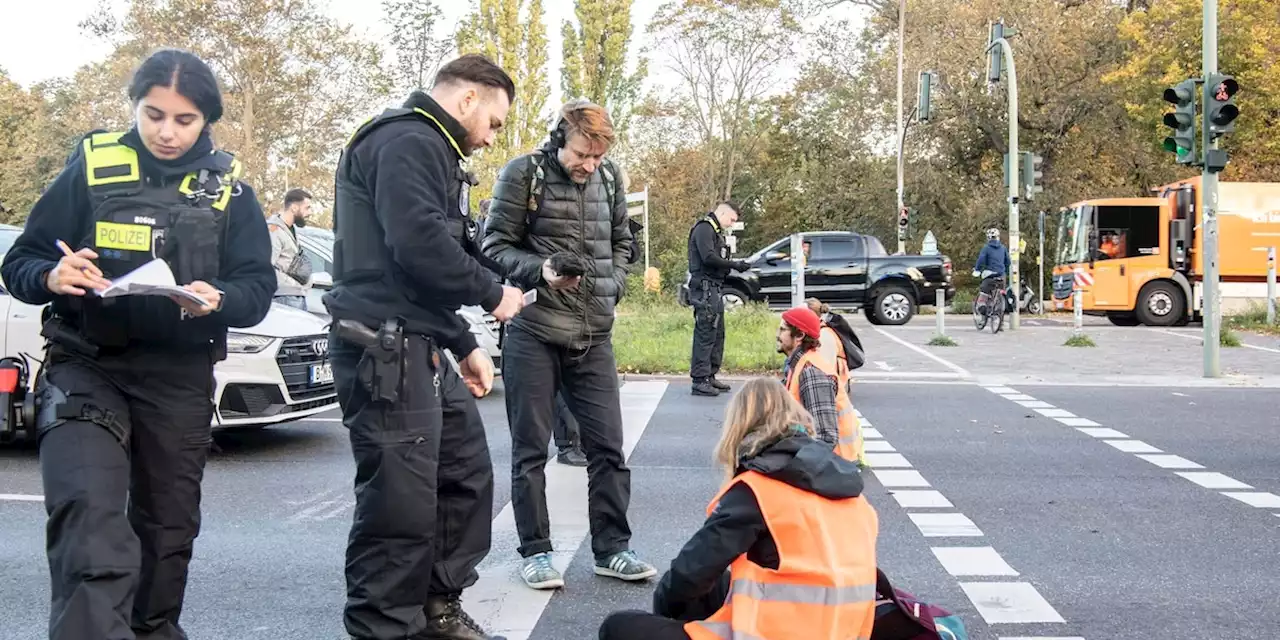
[
  {"x": 403, "y": 265},
  {"x": 125, "y": 397},
  {"x": 709, "y": 264}
]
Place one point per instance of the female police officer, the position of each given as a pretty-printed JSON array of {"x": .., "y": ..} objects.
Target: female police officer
[{"x": 125, "y": 394}]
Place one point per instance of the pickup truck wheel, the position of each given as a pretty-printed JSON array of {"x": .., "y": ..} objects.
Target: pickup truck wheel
[
  {"x": 893, "y": 305},
  {"x": 871, "y": 315},
  {"x": 732, "y": 299},
  {"x": 1160, "y": 304}
]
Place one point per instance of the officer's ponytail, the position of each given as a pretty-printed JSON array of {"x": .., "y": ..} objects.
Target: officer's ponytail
[{"x": 186, "y": 74}]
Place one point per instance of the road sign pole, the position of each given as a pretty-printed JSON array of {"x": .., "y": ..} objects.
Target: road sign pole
[
  {"x": 902, "y": 21},
  {"x": 1077, "y": 305},
  {"x": 941, "y": 306},
  {"x": 1040, "y": 260},
  {"x": 1271, "y": 285},
  {"x": 797, "y": 270},
  {"x": 646, "y": 228},
  {"x": 1210, "y": 308},
  {"x": 1014, "y": 233}
]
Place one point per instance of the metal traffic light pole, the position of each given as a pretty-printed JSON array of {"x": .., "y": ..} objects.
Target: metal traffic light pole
[
  {"x": 1014, "y": 254},
  {"x": 1210, "y": 309}
]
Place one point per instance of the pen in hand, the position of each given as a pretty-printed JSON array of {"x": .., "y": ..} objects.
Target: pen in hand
[{"x": 90, "y": 276}]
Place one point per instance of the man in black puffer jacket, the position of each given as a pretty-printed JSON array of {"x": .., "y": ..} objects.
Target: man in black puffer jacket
[{"x": 558, "y": 223}]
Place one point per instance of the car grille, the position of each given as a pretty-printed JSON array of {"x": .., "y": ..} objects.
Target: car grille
[{"x": 296, "y": 356}]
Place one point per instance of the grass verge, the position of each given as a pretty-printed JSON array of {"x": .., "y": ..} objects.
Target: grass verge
[
  {"x": 1228, "y": 338},
  {"x": 654, "y": 334},
  {"x": 1081, "y": 340},
  {"x": 1255, "y": 320}
]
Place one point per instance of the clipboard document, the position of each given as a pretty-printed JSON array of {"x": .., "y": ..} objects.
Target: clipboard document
[{"x": 154, "y": 278}]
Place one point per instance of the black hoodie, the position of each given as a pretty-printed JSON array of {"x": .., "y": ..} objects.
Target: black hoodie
[
  {"x": 246, "y": 276},
  {"x": 737, "y": 525}
]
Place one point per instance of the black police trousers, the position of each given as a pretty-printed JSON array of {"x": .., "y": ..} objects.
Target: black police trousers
[
  {"x": 565, "y": 432},
  {"x": 708, "y": 329},
  {"x": 533, "y": 372},
  {"x": 123, "y": 443},
  {"x": 423, "y": 489}
]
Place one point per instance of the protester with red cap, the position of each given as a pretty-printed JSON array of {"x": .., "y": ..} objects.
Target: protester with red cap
[{"x": 814, "y": 383}]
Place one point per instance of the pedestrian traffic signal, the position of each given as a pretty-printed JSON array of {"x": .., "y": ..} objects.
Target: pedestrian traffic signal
[
  {"x": 904, "y": 218},
  {"x": 1031, "y": 174},
  {"x": 994, "y": 54},
  {"x": 922, "y": 110},
  {"x": 1220, "y": 110},
  {"x": 1182, "y": 121}
]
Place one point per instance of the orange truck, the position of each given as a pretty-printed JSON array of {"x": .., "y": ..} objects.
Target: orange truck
[{"x": 1141, "y": 260}]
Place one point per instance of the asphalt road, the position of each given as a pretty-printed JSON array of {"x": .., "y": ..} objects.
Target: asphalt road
[{"x": 992, "y": 502}]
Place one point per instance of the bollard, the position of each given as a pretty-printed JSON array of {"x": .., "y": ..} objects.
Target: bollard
[
  {"x": 941, "y": 306},
  {"x": 1077, "y": 305},
  {"x": 1271, "y": 285}
]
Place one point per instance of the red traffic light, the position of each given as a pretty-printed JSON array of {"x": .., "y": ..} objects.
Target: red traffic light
[{"x": 1225, "y": 89}]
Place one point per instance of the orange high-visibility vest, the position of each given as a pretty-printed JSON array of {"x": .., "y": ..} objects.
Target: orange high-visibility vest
[
  {"x": 825, "y": 585},
  {"x": 849, "y": 435},
  {"x": 842, "y": 361}
]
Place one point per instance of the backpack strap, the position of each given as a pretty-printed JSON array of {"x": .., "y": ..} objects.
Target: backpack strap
[
  {"x": 610, "y": 190},
  {"x": 535, "y": 197}
]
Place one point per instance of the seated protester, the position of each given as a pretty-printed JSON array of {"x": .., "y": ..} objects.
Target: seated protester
[
  {"x": 815, "y": 383},
  {"x": 789, "y": 529},
  {"x": 833, "y": 349}
]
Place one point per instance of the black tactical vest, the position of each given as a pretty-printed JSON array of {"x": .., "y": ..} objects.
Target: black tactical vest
[
  {"x": 135, "y": 222},
  {"x": 360, "y": 251}
]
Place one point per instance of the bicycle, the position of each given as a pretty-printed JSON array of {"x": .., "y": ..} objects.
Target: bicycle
[{"x": 995, "y": 303}]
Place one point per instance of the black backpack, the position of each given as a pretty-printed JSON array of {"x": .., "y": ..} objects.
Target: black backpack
[{"x": 853, "y": 353}]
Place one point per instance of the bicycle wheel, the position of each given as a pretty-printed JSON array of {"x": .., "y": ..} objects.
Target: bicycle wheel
[
  {"x": 997, "y": 317},
  {"x": 979, "y": 318}
]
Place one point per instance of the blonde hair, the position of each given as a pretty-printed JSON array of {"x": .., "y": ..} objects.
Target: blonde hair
[
  {"x": 588, "y": 120},
  {"x": 821, "y": 307},
  {"x": 762, "y": 413}
]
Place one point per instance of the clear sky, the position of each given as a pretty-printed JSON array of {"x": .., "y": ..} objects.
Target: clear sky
[{"x": 32, "y": 27}]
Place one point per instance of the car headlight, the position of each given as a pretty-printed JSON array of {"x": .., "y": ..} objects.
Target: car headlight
[{"x": 246, "y": 343}]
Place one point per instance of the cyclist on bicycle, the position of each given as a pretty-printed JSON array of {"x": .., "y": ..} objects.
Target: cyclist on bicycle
[{"x": 992, "y": 265}]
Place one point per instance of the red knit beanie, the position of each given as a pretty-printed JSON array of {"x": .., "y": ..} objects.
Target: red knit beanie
[{"x": 804, "y": 319}]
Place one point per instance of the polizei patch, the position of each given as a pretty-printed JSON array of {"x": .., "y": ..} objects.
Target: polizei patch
[{"x": 126, "y": 237}]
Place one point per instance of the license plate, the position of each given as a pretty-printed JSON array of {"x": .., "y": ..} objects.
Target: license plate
[{"x": 321, "y": 373}]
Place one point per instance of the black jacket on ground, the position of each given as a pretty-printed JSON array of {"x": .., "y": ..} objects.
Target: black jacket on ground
[
  {"x": 707, "y": 254},
  {"x": 246, "y": 276},
  {"x": 737, "y": 525},
  {"x": 574, "y": 218},
  {"x": 407, "y": 169}
]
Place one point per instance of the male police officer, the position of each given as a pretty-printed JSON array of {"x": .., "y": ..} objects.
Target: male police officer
[
  {"x": 709, "y": 263},
  {"x": 559, "y": 222},
  {"x": 424, "y": 481}
]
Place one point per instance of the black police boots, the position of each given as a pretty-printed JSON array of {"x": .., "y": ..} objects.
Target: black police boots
[
  {"x": 447, "y": 621},
  {"x": 717, "y": 384},
  {"x": 704, "y": 388}
]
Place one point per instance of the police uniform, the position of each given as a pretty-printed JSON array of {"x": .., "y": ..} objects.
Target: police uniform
[
  {"x": 404, "y": 262},
  {"x": 709, "y": 264},
  {"x": 124, "y": 399}
]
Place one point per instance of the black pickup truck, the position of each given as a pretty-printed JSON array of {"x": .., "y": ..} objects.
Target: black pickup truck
[{"x": 848, "y": 271}]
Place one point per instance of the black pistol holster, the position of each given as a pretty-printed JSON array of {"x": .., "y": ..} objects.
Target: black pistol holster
[
  {"x": 56, "y": 331},
  {"x": 381, "y": 368}
]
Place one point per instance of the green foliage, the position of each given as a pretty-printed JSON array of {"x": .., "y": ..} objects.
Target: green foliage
[
  {"x": 1227, "y": 337},
  {"x": 942, "y": 341},
  {"x": 416, "y": 40},
  {"x": 655, "y": 336},
  {"x": 595, "y": 58},
  {"x": 1079, "y": 340}
]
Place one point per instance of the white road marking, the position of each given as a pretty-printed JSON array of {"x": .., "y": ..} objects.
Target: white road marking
[
  {"x": 1010, "y": 602},
  {"x": 890, "y": 478},
  {"x": 1101, "y": 432},
  {"x": 1133, "y": 446},
  {"x": 945, "y": 525},
  {"x": 1078, "y": 422},
  {"x": 1040, "y": 638},
  {"x": 877, "y": 446},
  {"x": 1034, "y": 404},
  {"x": 21, "y": 497},
  {"x": 973, "y": 561},
  {"x": 1055, "y": 413},
  {"x": 310, "y": 512},
  {"x": 1016, "y": 396},
  {"x": 954, "y": 367},
  {"x": 1259, "y": 499},
  {"x": 883, "y": 366},
  {"x": 1201, "y": 340},
  {"x": 1213, "y": 480},
  {"x": 1000, "y": 390},
  {"x": 870, "y": 433},
  {"x": 321, "y": 420},
  {"x": 1166, "y": 461},
  {"x": 887, "y": 461},
  {"x": 922, "y": 499},
  {"x": 500, "y": 601}
]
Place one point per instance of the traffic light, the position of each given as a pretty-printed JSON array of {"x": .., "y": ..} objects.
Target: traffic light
[
  {"x": 1182, "y": 121},
  {"x": 1220, "y": 109},
  {"x": 926, "y": 82},
  {"x": 1031, "y": 174},
  {"x": 995, "y": 55}
]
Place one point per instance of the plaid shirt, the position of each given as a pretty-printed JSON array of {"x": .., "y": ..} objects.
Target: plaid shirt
[{"x": 818, "y": 395}]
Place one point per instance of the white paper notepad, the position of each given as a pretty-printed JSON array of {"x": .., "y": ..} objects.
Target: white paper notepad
[{"x": 154, "y": 278}]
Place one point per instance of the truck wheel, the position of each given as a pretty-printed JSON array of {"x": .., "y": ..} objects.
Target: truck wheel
[
  {"x": 1160, "y": 304},
  {"x": 893, "y": 305},
  {"x": 871, "y": 315},
  {"x": 732, "y": 298},
  {"x": 1122, "y": 319}
]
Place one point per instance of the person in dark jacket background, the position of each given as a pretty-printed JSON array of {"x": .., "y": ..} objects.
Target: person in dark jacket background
[
  {"x": 404, "y": 263},
  {"x": 709, "y": 264},
  {"x": 125, "y": 396},
  {"x": 768, "y": 433},
  {"x": 993, "y": 262},
  {"x": 562, "y": 341}
]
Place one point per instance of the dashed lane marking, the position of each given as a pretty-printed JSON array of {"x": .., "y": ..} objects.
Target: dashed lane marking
[
  {"x": 21, "y": 497},
  {"x": 1010, "y": 602}
]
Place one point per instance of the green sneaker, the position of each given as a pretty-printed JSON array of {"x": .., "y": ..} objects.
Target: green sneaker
[
  {"x": 539, "y": 574},
  {"x": 624, "y": 565}
]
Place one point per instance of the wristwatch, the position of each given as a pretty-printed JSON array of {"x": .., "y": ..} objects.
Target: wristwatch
[{"x": 222, "y": 298}]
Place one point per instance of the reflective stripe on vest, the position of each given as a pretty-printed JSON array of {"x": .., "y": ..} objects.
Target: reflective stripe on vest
[
  {"x": 824, "y": 586},
  {"x": 849, "y": 433}
]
